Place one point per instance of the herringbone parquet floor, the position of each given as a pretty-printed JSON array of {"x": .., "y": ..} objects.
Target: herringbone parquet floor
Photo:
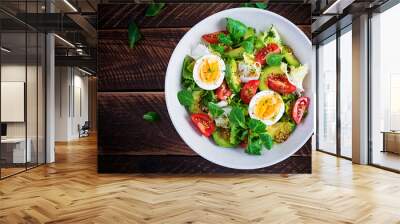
[{"x": 70, "y": 191}]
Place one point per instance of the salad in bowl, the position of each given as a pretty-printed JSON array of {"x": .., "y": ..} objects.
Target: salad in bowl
[{"x": 244, "y": 88}]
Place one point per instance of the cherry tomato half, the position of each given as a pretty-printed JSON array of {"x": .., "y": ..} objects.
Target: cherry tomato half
[
  {"x": 299, "y": 108},
  {"x": 204, "y": 123},
  {"x": 263, "y": 52},
  {"x": 223, "y": 92},
  {"x": 280, "y": 84},
  {"x": 249, "y": 90},
  {"x": 212, "y": 38}
]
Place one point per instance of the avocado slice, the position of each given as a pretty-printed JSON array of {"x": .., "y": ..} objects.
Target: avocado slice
[
  {"x": 289, "y": 56},
  {"x": 195, "y": 107},
  {"x": 236, "y": 53},
  {"x": 267, "y": 71},
  {"x": 250, "y": 32},
  {"x": 221, "y": 138},
  {"x": 281, "y": 131},
  {"x": 232, "y": 78}
]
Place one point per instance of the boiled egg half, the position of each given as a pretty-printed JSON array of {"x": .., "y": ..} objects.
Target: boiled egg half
[
  {"x": 209, "y": 72},
  {"x": 267, "y": 106}
]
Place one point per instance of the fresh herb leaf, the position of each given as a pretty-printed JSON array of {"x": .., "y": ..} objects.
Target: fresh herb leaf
[
  {"x": 234, "y": 136},
  {"x": 151, "y": 116},
  {"x": 261, "y": 5},
  {"x": 217, "y": 48},
  {"x": 236, "y": 29},
  {"x": 154, "y": 9},
  {"x": 248, "y": 45},
  {"x": 236, "y": 117},
  {"x": 254, "y": 146},
  {"x": 266, "y": 140},
  {"x": 244, "y": 135},
  {"x": 214, "y": 109},
  {"x": 133, "y": 34},
  {"x": 187, "y": 68},
  {"x": 225, "y": 39},
  {"x": 257, "y": 126},
  {"x": 274, "y": 59},
  {"x": 185, "y": 97}
]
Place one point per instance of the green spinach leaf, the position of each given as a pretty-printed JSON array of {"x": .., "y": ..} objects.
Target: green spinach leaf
[
  {"x": 151, "y": 116},
  {"x": 261, "y": 5},
  {"x": 185, "y": 97},
  {"x": 254, "y": 146},
  {"x": 154, "y": 9},
  {"x": 236, "y": 117},
  {"x": 236, "y": 29},
  {"x": 187, "y": 68},
  {"x": 257, "y": 126},
  {"x": 133, "y": 34},
  {"x": 225, "y": 39},
  {"x": 248, "y": 45},
  {"x": 266, "y": 140},
  {"x": 218, "y": 48},
  {"x": 274, "y": 59},
  {"x": 214, "y": 109}
]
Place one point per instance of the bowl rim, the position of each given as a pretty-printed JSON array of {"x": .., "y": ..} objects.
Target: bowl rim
[{"x": 190, "y": 144}]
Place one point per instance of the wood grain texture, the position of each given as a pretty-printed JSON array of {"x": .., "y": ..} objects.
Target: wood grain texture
[
  {"x": 112, "y": 16},
  {"x": 140, "y": 68},
  {"x": 190, "y": 165},
  {"x": 122, "y": 129},
  {"x": 71, "y": 191}
]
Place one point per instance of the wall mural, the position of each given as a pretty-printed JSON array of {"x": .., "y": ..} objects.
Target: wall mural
[{"x": 135, "y": 132}]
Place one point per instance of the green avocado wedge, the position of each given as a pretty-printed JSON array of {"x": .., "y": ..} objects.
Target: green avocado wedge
[
  {"x": 232, "y": 78},
  {"x": 221, "y": 138}
]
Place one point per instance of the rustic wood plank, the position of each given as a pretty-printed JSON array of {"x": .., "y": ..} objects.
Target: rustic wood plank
[
  {"x": 140, "y": 68},
  {"x": 143, "y": 67},
  {"x": 113, "y": 16},
  {"x": 190, "y": 165},
  {"x": 122, "y": 129}
]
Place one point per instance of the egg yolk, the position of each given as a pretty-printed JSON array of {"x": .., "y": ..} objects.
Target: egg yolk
[
  {"x": 267, "y": 107},
  {"x": 209, "y": 71}
]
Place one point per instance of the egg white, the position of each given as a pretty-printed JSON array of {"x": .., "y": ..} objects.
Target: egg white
[
  {"x": 196, "y": 72},
  {"x": 254, "y": 101}
]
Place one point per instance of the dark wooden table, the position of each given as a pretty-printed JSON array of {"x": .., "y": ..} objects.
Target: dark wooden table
[{"x": 131, "y": 83}]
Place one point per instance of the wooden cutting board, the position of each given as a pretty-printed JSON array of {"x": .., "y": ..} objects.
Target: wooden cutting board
[{"x": 131, "y": 83}]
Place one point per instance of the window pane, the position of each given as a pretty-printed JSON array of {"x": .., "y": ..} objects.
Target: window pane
[
  {"x": 385, "y": 84},
  {"x": 327, "y": 97},
  {"x": 346, "y": 93}
]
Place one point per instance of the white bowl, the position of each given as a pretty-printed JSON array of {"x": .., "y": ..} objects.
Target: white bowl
[{"x": 205, "y": 147}]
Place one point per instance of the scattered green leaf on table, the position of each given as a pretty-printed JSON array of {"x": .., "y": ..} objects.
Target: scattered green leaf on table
[
  {"x": 154, "y": 9},
  {"x": 151, "y": 116},
  {"x": 261, "y": 5},
  {"x": 185, "y": 97},
  {"x": 133, "y": 34}
]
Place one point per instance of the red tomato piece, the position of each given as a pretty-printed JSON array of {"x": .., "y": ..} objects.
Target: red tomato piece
[
  {"x": 203, "y": 123},
  {"x": 263, "y": 52},
  {"x": 249, "y": 90},
  {"x": 299, "y": 108},
  {"x": 212, "y": 38},
  {"x": 223, "y": 92},
  {"x": 280, "y": 84}
]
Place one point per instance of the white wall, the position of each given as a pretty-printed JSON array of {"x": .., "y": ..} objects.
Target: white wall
[{"x": 71, "y": 102}]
